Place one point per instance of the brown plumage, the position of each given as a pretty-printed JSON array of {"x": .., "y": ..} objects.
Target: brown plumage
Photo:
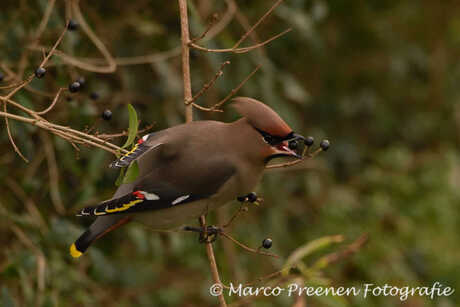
[
  {"x": 261, "y": 116},
  {"x": 189, "y": 169}
]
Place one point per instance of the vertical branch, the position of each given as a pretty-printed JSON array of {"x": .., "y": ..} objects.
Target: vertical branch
[{"x": 185, "y": 37}]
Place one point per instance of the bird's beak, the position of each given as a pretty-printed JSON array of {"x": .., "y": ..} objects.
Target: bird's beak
[{"x": 282, "y": 149}]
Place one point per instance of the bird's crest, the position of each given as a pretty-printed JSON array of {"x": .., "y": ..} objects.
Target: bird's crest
[{"x": 261, "y": 116}]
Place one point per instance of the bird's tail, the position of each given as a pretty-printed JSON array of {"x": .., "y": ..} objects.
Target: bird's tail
[{"x": 100, "y": 227}]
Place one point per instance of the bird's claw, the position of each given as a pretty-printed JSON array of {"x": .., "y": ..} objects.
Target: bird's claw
[
  {"x": 251, "y": 198},
  {"x": 210, "y": 234},
  {"x": 207, "y": 235}
]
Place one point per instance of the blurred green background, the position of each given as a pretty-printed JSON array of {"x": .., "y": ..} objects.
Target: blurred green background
[{"x": 379, "y": 79}]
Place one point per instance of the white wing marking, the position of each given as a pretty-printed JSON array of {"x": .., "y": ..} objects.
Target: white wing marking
[{"x": 180, "y": 199}]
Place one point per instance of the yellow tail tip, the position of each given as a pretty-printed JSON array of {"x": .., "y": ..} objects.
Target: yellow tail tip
[{"x": 74, "y": 251}]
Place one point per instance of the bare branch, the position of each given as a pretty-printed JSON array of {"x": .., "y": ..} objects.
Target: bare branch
[
  {"x": 111, "y": 65},
  {"x": 241, "y": 209},
  {"x": 42, "y": 64},
  {"x": 185, "y": 39},
  {"x": 235, "y": 90},
  {"x": 124, "y": 133},
  {"x": 257, "y": 23},
  {"x": 215, "y": 108},
  {"x": 209, "y": 84},
  {"x": 223, "y": 22},
  {"x": 208, "y": 28},
  {"x": 53, "y": 103},
  {"x": 10, "y": 136},
  {"x": 67, "y": 133},
  {"x": 241, "y": 50},
  {"x": 247, "y": 248}
]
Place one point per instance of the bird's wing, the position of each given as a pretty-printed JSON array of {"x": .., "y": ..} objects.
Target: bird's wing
[
  {"x": 154, "y": 193},
  {"x": 145, "y": 144}
]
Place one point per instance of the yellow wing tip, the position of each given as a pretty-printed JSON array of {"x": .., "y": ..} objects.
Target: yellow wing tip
[{"x": 74, "y": 252}]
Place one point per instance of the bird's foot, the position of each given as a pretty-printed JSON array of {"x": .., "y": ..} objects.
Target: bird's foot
[
  {"x": 250, "y": 198},
  {"x": 208, "y": 234}
]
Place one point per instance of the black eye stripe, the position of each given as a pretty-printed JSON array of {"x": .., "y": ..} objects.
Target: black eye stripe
[
  {"x": 274, "y": 139},
  {"x": 268, "y": 139}
]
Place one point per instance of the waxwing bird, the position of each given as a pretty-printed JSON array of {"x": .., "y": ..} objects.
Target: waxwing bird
[{"x": 189, "y": 169}]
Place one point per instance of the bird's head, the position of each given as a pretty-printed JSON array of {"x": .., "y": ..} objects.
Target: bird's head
[{"x": 276, "y": 138}]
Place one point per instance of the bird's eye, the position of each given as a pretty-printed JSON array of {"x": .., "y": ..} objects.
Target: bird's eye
[{"x": 268, "y": 139}]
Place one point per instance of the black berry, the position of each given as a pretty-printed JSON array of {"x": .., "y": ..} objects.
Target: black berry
[
  {"x": 252, "y": 197},
  {"x": 94, "y": 96},
  {"x": 74, "y": 87},
  {"x": 324, "y": 145},
  {"x": 72, "y": 26},
  {"x": 1, "y": 76},
  {"x": 82, "y": 82},
  {"x": 293, "y": 144},
  {"x": 267, "y": 243},
  {"x": 40, "y": 72},
  {"x": 107, "y": 115},
  {"x": 309, "y": 140}
]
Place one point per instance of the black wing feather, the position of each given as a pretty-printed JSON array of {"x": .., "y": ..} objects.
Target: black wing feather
[
  {"x": 135, "y": 202},
  {"x": 141, "y": 147}
]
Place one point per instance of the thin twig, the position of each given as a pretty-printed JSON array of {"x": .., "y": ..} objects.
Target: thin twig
[
  {"x": 92, "y": 64},
  {"x": 215, "y": 108},
  {"x": 53, "y": 103},
  {"x": 213, "y": 21},
  {"x": 229, "y": 247},
  {"x": 46, "y": 16},
  {"x": 247, "y": 248},
  {"x": 235, "y": 90},
  {"x": 242, "y": 208},
  {"x": 148, "y": 58},
  {"x": 67, "y": 133},
  {"x": 42, "y": 64},
  {"x": 223, "y": 22},
  {"x": 209, "y": 84},
  {"x": 123, "y": 133},
  {"x": 111, "y": 65},
  {"x": 244, "y": 22},
  {"x": 35, "y": 38},
  {"x": 257, "y": 23},
  {"x": 10, "y": 136},
  {"x": 243, "y": 49}
]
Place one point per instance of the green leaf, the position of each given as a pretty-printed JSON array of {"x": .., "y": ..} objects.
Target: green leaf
[
  {"x": 133, "y": 125},
  {"x": 119, "y": 180},
  {"x": 131, "y": 173}
]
